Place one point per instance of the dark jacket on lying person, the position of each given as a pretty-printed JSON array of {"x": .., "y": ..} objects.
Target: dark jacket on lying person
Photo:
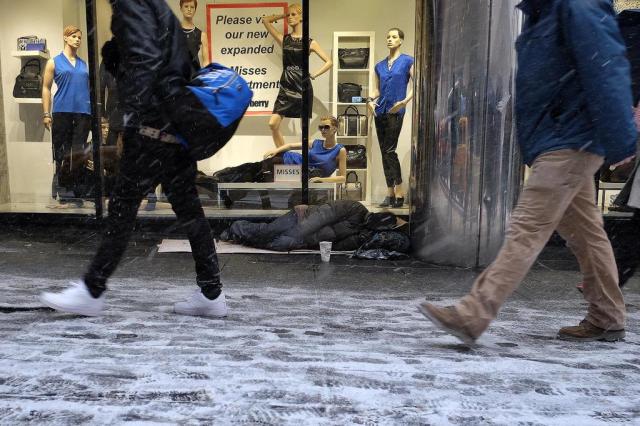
[{"x": 305, "y": 226}]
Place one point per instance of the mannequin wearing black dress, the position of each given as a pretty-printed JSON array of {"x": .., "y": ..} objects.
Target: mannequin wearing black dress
[
  {"x": 196, "y": 39},
  {"x": 289, "y": 101}
]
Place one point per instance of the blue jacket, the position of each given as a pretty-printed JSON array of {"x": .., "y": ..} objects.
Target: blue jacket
[{"x": 573, "y": 84}]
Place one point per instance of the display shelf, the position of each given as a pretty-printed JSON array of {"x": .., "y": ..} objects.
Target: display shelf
[
  {"x": 365, "y": 77},
  {"x": 30, "y": 54},
  {"x": 28, "y": 100}
]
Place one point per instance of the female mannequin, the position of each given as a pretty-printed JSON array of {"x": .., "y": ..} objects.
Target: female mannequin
[
  {"x": 325, "y": 156},
  {"x": 289, "y": 101},
  {"x": 196, "y": 39},
  {"x": 70, "y": 118},
  {"x": 392, "y": 78}
]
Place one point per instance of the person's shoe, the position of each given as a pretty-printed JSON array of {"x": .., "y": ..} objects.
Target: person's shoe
[
  {"x": 199, "y": 305},
  {"x": 587, "y": 332},
  {"x": 76, "y": 299},
  {"x": 398, "y": 203},
  {"x": 580, "y": 287},
  {"x": 388, "y": 202},
  {"x": 446, "y": 319}
]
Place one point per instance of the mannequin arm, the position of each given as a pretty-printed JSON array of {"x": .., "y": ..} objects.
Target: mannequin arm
[
  {"x": 340, "y": 177},
  {"x": 375, "y": 94},
  {"x": 410, "y": 92},
  {"x": 47, "y": 83},
  {"x": 328, "y": 63},
  {"x": 281, "y": 149},
  {"x": 268, "y": 24},
  {"x": 204, "y": 50},
  {"x": 403, "y": 103}
]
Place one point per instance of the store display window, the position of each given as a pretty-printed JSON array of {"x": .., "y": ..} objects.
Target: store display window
[{"x": 360, "y": 109}]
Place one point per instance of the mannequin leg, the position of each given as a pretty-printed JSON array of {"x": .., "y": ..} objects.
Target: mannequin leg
[
  {"x": 274, "y": 125},
  {"x": 61, "y": 137}
]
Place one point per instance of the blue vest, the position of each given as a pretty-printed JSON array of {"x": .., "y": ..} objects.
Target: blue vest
[
  {"x": 73, "y": 86},
  {"x": 319, "y": 157},
  {"x": 393, "y": 82}
]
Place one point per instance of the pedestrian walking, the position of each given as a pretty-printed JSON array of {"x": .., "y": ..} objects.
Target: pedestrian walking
[
  {"x": 154, "y": 67},
  {"x": 573, "y": 111}
]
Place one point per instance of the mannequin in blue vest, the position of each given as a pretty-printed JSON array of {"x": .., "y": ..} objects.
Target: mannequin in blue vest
[
  {"x": 388, "y": 101},
  {"x": 68, "y": 117}
]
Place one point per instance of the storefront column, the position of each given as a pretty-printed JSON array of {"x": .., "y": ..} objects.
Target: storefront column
[
  {"x": 467, "y": 168},
  {"x": 4, "y": 163}
]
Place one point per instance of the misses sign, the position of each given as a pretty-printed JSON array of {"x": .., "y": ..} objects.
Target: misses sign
[
  {"x": 239, "y": 40},
  {"x": 287, "y": 173}
]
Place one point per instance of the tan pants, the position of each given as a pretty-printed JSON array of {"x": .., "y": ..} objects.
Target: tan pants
[{"x": 559, "y": 194}]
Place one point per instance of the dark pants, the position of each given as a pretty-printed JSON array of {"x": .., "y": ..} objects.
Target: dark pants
[
  {"x": 626, "y": 248},
  {"x": 388, "y": 127},
  {"x": 280, "y": 235},
  {"x": 146, "y": 163},
  {"x": 69, "y": 132}
]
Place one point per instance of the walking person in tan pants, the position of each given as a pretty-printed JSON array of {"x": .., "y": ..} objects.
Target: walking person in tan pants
[{"x": 573, "y": 108}]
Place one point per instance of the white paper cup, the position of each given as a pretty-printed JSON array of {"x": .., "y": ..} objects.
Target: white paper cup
[{"x": 325, "y": 250}]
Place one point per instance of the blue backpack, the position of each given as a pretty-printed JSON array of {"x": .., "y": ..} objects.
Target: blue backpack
[{"x": 208, "y": 111}]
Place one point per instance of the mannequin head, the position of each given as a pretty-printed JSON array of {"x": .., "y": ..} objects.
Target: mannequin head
[
  {"x": 188, "y": 8},
  {"x": 328, "y": 126},
  {"x": 72, "y": 36},
  {"x": 295, "y": 14},
  {"x": 395, "y": 37}
]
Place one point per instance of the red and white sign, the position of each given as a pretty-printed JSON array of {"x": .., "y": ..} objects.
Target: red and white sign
[{"x": 238, "y": 39}]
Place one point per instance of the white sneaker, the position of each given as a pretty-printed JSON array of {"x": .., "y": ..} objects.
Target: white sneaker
[
  {"x": 75, "y": 300},
  {"x": 199, "y": 305}
]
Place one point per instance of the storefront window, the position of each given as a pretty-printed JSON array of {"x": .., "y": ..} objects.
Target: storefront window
[
  {"x": 41, "y": 144},
  {"x": 258, "y": 172}
]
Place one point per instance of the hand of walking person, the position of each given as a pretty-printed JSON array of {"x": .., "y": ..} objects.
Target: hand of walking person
[
  {"x": 47, "y": 122},
  {"x": 622, "y": 163}
]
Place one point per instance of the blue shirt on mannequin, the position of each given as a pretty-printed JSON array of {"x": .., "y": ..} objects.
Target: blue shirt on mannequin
[
  {"x": 393, "y": 82},
  {"x": 319, "y": 157},
  {"x": 73, "y": 86}
]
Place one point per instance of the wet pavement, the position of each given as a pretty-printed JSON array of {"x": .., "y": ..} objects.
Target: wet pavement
[{"x": 305, "y": 343}]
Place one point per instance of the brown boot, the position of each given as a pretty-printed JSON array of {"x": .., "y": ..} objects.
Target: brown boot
[
  {"x": 447, "y": 319},
  {"x": 587, "y": 332}
]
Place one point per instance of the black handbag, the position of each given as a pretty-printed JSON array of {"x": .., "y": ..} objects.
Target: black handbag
[
  {"x": 354, "y": 58},
  {"x": 29, "y": 82},
  {"x": 352, "y": 123},
  {"x": 347, "y": 91},
  {"x": 356, "y": 156},
  {"x": 352, "y": 188}
]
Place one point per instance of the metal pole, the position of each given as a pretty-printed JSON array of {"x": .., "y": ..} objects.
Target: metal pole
[
  {"x": 305, "y": 102},
  {"x": 96, "y": 130}
]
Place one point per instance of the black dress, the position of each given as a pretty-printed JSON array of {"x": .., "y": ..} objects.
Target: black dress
[
  {"x": 194, "y": 41},
  {"x": 289, "y": 101}
]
